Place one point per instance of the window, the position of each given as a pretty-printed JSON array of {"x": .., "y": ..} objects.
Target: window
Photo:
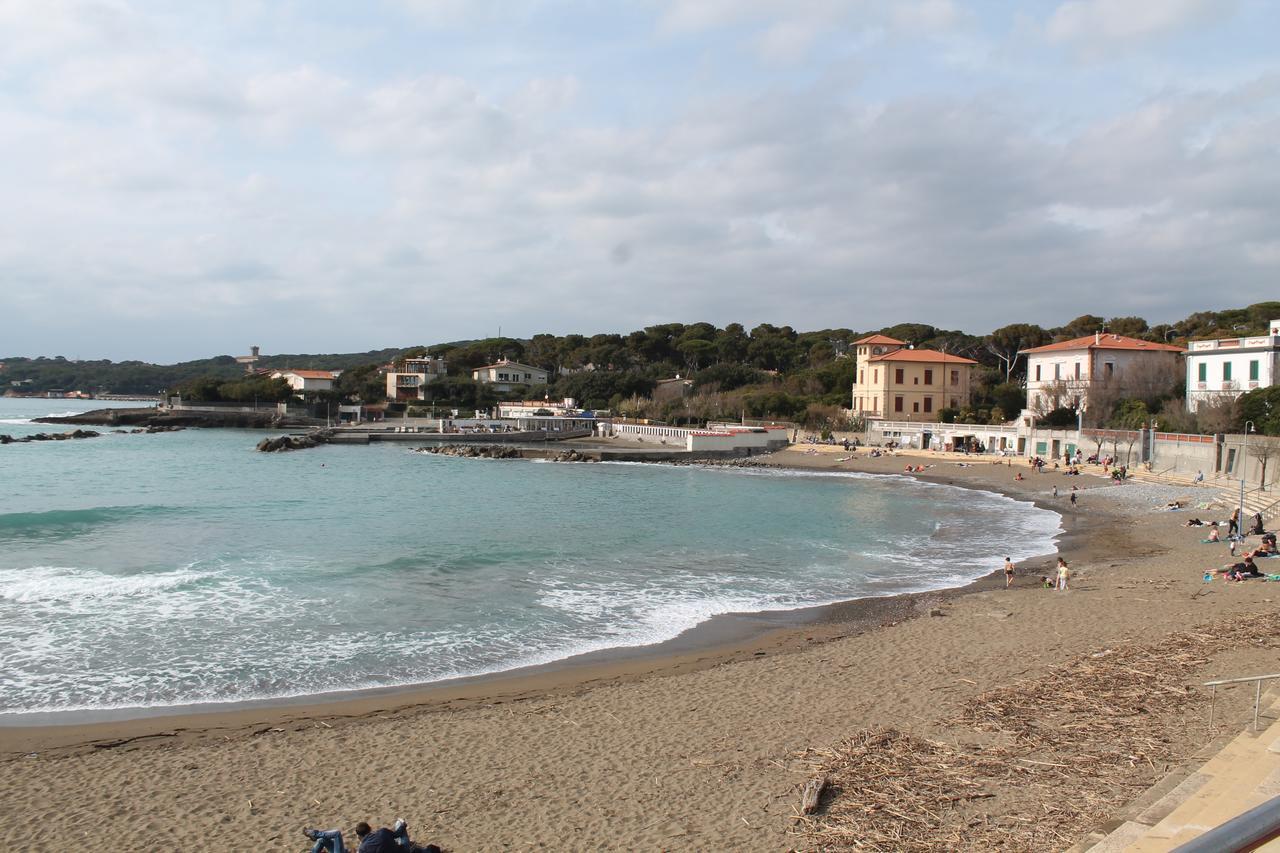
[
  {"x": 1077, "y": 370},
  {"x": 1108, "y": 369},
  {"x": 915, "y": 407},
  {"x": 955, "y": 404},
  {"x": 955, "y": 377},
  {"x": 928, "y": 379},
  {"x": 897, "y": 375},
  {"x": 1253, "y": 370},
  {"x": 897, "y": 404},
  {"x": 1057, "y": 371},
  {"x": 875, "y": 376},
  {"x": 1226, "y": 371},
  {"x": 1037, "y": 373},
  {"x": 862, "y": 376},
  {"x": 928, "y": 404},
  {"x": 1203, "y": 372}
]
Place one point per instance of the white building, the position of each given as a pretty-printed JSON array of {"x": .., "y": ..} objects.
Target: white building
[
  {"x": 568, "y": 407},
  {"x": 308, "y": 381},
  {"x": 1228, "y": 367},
  {"x": 506, "y": 375},
  {"x": 408, "y": 379},
  {"x": 1061, "y": 374}
]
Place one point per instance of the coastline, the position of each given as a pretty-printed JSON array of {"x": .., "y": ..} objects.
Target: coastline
[
  {"x": 567, "y": 759},
  {"x": 723, "y": 638}
]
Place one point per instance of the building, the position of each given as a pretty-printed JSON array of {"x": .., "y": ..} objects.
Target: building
[
  {"x": 249, "y": 361},
  {"x": 305, "y": 382},
  {"x": 671, "y": 389},
  {"x": 1062, "y": 375},
  {"x": 1228, "y": 367},
  {"x": 566, "y": 408},
  {"x": 506, "y": 375},
  {"x": 408, "y": 379},
  {"x": 895, "y": 382}
]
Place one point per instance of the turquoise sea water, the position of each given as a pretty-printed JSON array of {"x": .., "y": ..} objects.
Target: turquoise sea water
[{"x": 180, "y": 568}]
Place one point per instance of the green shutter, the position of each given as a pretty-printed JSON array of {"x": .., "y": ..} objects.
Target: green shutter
[
  {"x": 1253, "y": 370},
  {"x": 1204, "y": 372}
]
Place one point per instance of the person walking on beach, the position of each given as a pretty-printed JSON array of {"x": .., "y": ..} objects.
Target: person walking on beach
[
  {"x": 1064, "y": 574},
  {"x": 1009, "y": 569},
  {"x": 1233, "y": 524},
  {"x": 1055, "y": 491}
]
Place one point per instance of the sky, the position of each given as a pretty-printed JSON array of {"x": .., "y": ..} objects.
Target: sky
[{"x": 183, "y": 180}]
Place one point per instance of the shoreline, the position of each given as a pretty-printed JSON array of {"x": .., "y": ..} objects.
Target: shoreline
[
  {"x": 721, "y": 639},
  {"x": 614, "y": 757}
]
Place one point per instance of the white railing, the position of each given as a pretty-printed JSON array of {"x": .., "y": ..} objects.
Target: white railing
[{"x": 1256, "y": 680}]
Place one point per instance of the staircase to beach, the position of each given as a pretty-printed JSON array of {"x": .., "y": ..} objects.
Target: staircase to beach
[
  {"x": 1243, "y": 774},
  {"x": 1223, "y": 490}
]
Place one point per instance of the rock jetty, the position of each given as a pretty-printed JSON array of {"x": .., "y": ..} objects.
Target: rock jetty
[
  {"x": 282, "y": 443},
  {"x": 473, "y": 451},
  {"x": 498, "y": 451},
  {"x": 49, "y": 436}
]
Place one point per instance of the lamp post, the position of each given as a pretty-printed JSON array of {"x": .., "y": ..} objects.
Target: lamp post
[{"x": 1244, "y": 464}]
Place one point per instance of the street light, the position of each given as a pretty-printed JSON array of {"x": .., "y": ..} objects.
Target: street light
[{"x": 1244, "y": 464}]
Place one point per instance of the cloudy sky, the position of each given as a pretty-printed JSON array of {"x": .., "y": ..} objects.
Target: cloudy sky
[{"x": 182, "y": 179}]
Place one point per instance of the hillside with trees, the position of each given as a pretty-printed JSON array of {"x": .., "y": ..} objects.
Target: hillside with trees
[{"x": 767, "y": 372}]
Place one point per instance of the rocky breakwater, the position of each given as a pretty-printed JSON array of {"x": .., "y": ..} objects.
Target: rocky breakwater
[
  {"x": 282, "y": 443},
  {"x": 497, "y": 451},
  {"x": 472, "y": 451},
  {"x": 49, "y": 436},
  {"x": 153, "y": 417}
]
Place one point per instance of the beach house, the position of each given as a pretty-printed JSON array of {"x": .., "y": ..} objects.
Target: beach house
[
  {"x": 408, "y": 379},
  {"x": 1064, "y": 374},
  {"x": 1228, "y": 367},
  {"x": 305, "y": 382},
  {"x": 894, "y": 381},
  {"x": 506, "y": 375}
]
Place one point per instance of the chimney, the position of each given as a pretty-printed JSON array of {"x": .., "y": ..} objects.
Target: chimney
[{"x": 1097, "y": 338}]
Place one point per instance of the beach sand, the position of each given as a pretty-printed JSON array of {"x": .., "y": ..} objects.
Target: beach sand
[{"x": 686, "y": 751}]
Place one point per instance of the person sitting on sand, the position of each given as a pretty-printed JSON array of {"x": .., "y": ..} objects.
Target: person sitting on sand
[
  {"x": 1244, "y": 571},
  {"x": 1257, "y": 524},
  {"x": 1009, "y": 569},
  {"x": 394, "y": 840},
  {"x": 1018, "y": 476},
  {"x": 1213, "y": 534},
  {"x": 1064, "y": 574}
]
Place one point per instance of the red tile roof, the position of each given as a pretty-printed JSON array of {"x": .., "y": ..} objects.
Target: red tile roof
[
  {"x": 880, "y": 339},
  {"x": 931, "y": 356},
  {"x": 1106, "y": 340},
  {"x": 310, "y": 374}
]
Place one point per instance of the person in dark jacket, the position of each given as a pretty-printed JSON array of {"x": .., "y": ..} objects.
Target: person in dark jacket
[{"x": 394, "y": 840}]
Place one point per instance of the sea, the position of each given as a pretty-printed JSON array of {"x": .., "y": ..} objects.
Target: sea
[{"x": 144, "y": 572}]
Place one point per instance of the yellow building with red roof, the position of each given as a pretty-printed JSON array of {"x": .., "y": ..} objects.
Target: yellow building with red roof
[{"x": 894, "y": 381}]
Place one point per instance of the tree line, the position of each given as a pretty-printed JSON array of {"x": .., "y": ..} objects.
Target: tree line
[{"x": 769, "y": 371}]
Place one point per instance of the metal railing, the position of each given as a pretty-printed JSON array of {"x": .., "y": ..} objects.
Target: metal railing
[
  {"x": 1247, "y": 831},
  {"x": 1257, "y": 696}
]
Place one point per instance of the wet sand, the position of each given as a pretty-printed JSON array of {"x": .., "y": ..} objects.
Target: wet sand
[{"x": 682, "y": 747}]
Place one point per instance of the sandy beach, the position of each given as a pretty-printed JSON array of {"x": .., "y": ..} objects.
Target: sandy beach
[{"x": 692, "y": 749}]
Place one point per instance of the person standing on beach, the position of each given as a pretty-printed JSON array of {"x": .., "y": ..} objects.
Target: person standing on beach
[
  {"x": 1233, "y": 524},
  {"x": 1055, "y": 491},
  {"x": 1073, "y": 498},
  {"x": 1009, "y": 569},
  {"x": 1064, "y": 573}
]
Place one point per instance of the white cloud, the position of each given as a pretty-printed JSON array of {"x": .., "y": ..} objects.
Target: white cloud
[{"x": 1128, "y": 20}]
